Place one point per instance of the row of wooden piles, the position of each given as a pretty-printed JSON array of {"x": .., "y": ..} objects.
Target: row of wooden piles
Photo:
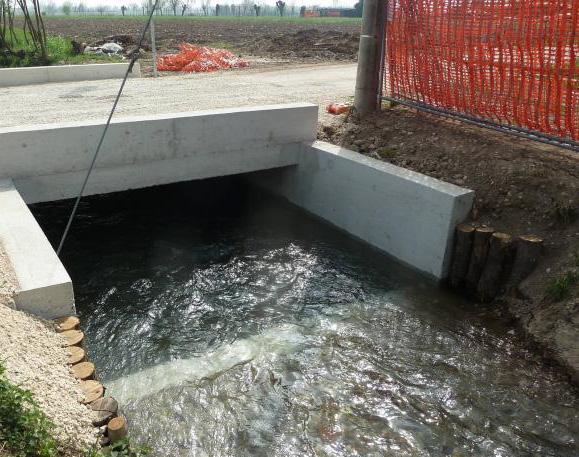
[
  {"x": 113, "y": 427},
  {"x": 486, "y": 263}
]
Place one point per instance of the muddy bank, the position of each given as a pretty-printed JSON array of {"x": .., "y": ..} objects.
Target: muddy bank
[
  {"x": 522, "y": 187},
  {"x": 36, "y": 359}
]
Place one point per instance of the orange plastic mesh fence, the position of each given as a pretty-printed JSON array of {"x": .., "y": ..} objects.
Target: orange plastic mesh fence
[
  {"x": 198, "y": 59},
  {"x": 513, "y": 62}
]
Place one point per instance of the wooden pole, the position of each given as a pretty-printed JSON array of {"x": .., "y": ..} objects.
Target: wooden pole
[
  {"x": 367, "y": 92},
  {"x": 478, "y": 258},
  {"x": 461, "y": 255},
  {"x": 490, "y": 280}
]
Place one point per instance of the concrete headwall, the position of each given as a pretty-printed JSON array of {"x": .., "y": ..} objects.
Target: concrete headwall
[
  {"x": 50, "y": 162},
  {"x": 408, "y": 215},
  {"x": 44, "y": 287},
  {"x": 405, "y": 214},
  {"x": 65, "y": 73}
]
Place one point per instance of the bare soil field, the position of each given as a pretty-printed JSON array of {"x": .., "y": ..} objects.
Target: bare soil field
[
  {"x": 522, "y": 187},
  {"x": 289, "y": 41}
]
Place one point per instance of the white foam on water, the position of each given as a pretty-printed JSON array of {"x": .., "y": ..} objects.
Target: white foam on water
[{"x": 271, "y": 342}]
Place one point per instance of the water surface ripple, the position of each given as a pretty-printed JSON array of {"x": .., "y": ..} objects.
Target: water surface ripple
[{"x": 232, "y": 324}]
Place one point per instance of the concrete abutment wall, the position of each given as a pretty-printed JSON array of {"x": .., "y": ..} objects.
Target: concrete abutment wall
[{"x": 405, "y": 214}]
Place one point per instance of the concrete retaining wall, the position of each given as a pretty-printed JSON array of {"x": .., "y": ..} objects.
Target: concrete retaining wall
[
  {"x": 65, "y": 73},
  {"x": 407, "y": 215},
  {"x": 50, "y": 162},
  {"x": 44, "y": 286}
]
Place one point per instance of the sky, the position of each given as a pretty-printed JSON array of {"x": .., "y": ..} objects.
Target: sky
[{"x": 344, "y": 3}]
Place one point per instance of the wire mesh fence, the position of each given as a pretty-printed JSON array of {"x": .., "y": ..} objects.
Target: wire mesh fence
[{"x": 512, "y": 63}]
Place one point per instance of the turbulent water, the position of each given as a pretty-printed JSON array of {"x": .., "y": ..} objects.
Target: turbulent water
[{"x": 231, "y": 324}]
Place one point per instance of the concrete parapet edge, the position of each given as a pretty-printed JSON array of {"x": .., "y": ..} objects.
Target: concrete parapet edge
[
  {"x": 25, "y": 76},
  {"x": 44, "y": 287}
]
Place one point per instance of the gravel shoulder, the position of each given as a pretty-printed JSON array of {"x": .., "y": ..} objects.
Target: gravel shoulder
[
  {"x": 35, "y": 359},
  {"x": 92, "y": 100}
]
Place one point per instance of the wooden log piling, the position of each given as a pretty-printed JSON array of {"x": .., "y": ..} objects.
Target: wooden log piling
[
  {"x": 478, "y": 258},
  {"x": 117, "y": 429},
  {"x": 490, "y": 280},
  {"x": 529, "y": 249},
  {"x": 93, "y": 390},
  {"x": 84, "y": 371},
  {"x": 105, "y": 409},
  {"x": 76, "y": 355},
  {"x": 65, "y": 324},
  {"x": 461, "y": 257},
  {"x": 73, "y": 337}
]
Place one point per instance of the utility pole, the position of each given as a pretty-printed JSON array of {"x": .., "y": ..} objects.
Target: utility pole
[
  {"x": 368, "y": 84},
  {"x": 153, "y": 43}
]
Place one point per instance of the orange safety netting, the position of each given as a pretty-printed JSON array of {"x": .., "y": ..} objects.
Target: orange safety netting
[
  {"x": 514, "y": 62},
  {"x": 197, "y": 59}
]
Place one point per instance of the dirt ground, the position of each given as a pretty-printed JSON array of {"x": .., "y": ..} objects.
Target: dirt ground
[
  {"x": 522, "y": 187},
  {"x": 286, "y": 41}
]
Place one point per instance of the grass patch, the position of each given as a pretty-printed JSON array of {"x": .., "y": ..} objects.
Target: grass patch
[
  {"x": 560, "y": 288},
  {"x": 122, "y": 448},
  {"x": 244, "y": 19},
  {"x": 24, "y": 429},
  {"x": 386, "y": 153},
  {"x": 59, "y": 52}
]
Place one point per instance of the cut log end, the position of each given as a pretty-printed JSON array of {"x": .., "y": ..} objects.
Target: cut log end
[
  {"x": 76, "y": 355},
  {"x": 73, "y": 337},
  {"x": 117, "y": 429},
  {"x": 84, "y": 371},
  {"x": 92, "y": 390},
  {"x": 104, "y": 409},
  {"x": 67, "y": 323}
]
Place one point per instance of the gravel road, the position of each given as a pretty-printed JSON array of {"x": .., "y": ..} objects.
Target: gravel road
[{"x": 76, "y": 101}]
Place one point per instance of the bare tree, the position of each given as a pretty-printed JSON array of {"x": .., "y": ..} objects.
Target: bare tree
[
  {"x": 34, "y": 26},
  {"x": 280, "y": 6},
  {"x": 175, "y": 4},
  {"x": 205, "y": 6}
]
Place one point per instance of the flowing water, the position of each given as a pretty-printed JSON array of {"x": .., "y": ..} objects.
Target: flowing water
[{"x": 229, "y": 323}]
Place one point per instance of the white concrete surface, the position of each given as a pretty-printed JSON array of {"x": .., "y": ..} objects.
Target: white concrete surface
[
  {"x": 78, "y": 101},
  {"x": 50, "y": 162},
  {"x": 25, "y": 76},
  {"x": 408, "y": 215},
  {"x": 44, "y": 287}
]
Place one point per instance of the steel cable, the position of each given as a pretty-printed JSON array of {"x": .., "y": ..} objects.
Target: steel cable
[{"x": 134, "y": 57}]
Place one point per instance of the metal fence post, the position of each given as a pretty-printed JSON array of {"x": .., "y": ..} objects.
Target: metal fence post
[{"x": 368, "y": 84}]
